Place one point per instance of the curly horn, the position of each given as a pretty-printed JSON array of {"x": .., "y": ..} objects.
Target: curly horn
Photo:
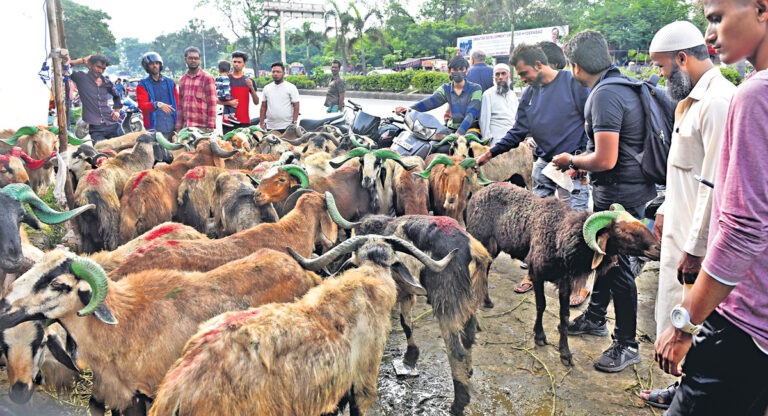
[
  {"x": 438, "y": 160},
  {"x": 356, "y": 152},
  {"x": 391, "y": 154},
  {"x": 595, "y": 223}
]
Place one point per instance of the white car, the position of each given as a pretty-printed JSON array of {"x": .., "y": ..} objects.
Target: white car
[{"x": 381, "y": 72}]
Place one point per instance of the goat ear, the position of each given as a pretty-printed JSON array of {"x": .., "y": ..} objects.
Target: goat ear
[
  {"x": 602, "y": 241},
  {"x": 104, "y": 314},
  {"x": 61, "y": 354},
  {"x": 401, "y": 275},
  {"x": 329, "y": 230},
  {"x": 30, "y": 220}
]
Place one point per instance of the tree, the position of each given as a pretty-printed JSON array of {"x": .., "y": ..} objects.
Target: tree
[
  {"x": 171, "y": 46},
  {"x": 359, "y": 22},
  {"x": 87, "y": 31},
  {"x": 308, "y": 38},
  {"x": 342, "y": 26},
  {"x": 440, "y": 10},
  {"x": 130, "y": 51}
]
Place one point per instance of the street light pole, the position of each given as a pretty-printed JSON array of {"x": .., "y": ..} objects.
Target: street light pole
[{"x": 203, "y": 33}]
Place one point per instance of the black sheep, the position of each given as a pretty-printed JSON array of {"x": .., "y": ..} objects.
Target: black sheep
[{"x": 560, "y": 245}]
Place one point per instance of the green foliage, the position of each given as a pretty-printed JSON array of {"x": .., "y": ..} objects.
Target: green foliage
[
  {"x": 300, "y": 81},
  {"x": 321, "y": 78},
  {"x": 428, "y": 81},
  {"x": 131, "y": 50},
  {"x": 171, "y": 46},
  {"x": 731, "y": 75},
  {"x": 87, "y": 31}
]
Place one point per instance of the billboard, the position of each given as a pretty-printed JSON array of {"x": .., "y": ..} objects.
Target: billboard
[{"x": 497, "y": 44}]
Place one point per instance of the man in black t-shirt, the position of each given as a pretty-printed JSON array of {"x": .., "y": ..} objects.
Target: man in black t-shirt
[
  {"x": 334, "y": 98},
  {"x": 614, "y": 122}
]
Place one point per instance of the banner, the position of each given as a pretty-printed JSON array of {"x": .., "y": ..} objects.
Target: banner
[{"x": 497, "y": 44}]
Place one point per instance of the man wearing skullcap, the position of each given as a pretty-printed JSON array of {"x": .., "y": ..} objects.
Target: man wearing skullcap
[{"x": 499, "y": 105}]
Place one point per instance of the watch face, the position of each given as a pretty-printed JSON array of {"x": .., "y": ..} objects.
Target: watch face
[{"x": 679, "y": 317}]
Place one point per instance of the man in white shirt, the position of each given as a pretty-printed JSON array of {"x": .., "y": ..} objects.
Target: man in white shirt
[
  {"x": 499, "y": 106},
  {"x": 280, "y": 103}
]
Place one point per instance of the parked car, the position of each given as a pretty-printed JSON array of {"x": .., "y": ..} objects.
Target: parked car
[
  {"x": 383, "y": 71},
  {"x": 130, "y": 87}
]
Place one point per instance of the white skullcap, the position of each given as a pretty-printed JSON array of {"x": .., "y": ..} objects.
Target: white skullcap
[
  {"x": 503, "y": 67},
  {"x": 676, "y": 36}
]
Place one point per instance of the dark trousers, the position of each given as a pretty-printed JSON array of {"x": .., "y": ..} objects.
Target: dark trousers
[
  {"x": 618, "y": 284},
  {"x": 725, "y": 373},
  {"x": 101, "y": 132}
]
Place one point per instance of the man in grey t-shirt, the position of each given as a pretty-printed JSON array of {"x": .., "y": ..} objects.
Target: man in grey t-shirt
[
  {"x": 280, "y": 104},
  {"x": 334, "y": 98}
]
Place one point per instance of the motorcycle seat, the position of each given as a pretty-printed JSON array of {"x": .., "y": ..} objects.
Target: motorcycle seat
[{"x": 313, "y": 125}]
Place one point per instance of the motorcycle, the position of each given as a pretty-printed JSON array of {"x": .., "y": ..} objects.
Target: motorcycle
[
  {"x": 131, "y": 119},
  {"x": 381, "y": 130},
  {"x": 422, "y": 135}
]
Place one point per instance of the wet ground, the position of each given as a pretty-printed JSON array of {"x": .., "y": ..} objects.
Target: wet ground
[{"x": 511, "y": 375}]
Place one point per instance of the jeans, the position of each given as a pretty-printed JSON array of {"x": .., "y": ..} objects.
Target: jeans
[
  {"x": 544, "y": 187},
  {"x": 101, "y": 132},
  {"x": 723, "y": 373},
  {"x": 618, "y": 284}
]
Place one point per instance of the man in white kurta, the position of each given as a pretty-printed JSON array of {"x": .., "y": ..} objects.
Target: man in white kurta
[
  {"x": 678, "y": 49},
  {"x": 499, "y": 105}
]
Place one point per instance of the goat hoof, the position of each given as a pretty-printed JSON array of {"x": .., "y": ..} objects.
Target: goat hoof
[
  {"x": 488, "y": 303},
  {"x": 567, "y": 360},
  {"x": 540, "y": 341}
]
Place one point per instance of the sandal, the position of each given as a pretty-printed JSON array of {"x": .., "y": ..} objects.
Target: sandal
[
  {"x": 579, "y": 298},
  {"x": 660, "y": 398},
  {"x": 524, "y": 286}
]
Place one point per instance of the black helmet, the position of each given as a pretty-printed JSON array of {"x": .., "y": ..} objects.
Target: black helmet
[{"x": 150, "y": 57}]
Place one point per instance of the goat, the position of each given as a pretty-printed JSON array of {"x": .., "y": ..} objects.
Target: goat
[
  {"x": 40, "y": 145},
  {"x": 451, "y": 179},
  {"x": 560, "y": 245},
  {"x": 297, "y": 358},
  {"x": 150, "y": 196},
  {"x": 103, "y": 187},
  {"x": 12, "y": 170},
  {"x": 515, "y": 166},
  {"x": 312, "y": 221},
  {"x": 233, "y": 205},
  {"x": 127, "y": 360},
  {"x": 195, "y": 196},
  {"x": 126, "y": 141},
  {"x": 455, "y": 293}
]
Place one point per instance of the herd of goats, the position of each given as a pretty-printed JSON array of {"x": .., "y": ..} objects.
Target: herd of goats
[{"x": 271, "y": 291}]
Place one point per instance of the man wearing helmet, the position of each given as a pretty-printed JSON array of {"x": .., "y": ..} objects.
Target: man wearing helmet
[
  {"x": 157, "y": 96},
  {"x": 101, "y": 102}
]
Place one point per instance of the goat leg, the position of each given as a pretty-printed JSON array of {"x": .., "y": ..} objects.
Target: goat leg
[
  {"x": 96, "y": 407},
  {"x": 406, "y": 321},
  {"x": 541, "y": 304},
  {"x": 459, "y": 359},
  {"x": 564, "y": 293},
  {"x": 471, "y": 327}
]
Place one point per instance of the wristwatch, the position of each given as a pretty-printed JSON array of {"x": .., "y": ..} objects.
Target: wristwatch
[{"x": 681, "y": 320}]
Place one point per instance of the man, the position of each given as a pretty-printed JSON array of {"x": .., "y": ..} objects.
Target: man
[
  {"x": 480, "y": 72},
  {"x": 615, "y": 123},
  {"x": 101, "y": 102},
  {"x": 726, "y": 362},
  {"x": 120, "y": 88},
  {"x": 463, "y": 98},
  {"x": 680, "y": 53},
  {"x": 554, "y": 53},
  {"x": 197, "y": 95},
  {"x": 241, "y": 88},
  {"x": 280, "y": 107},
  {"x": 157, "y": 97},
  {"x": 334, "y": 98},
  {"x": 498, "y": 106}
]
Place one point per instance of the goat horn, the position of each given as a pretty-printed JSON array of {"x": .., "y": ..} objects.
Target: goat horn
[
  {"x": 391, "y": 154},
  {"x": 24, "y": 131},
  {"x": 358, "y": 144},
  {"x": 438, "y": 160},
  {"x": 301, "y": 140},
  {"x": 471, "y": 137},
  {"x": 356, "y": 152},
  {"x": 71, "y": 139},
  {"x": 468, "y": 163},
  {"x": 323, "y": 261},
  {"x": 166, "y": 144},
  {"x": 24, "y": 194},
  {"x": 257, "y": 128},
  {"x": 218, "y": 151},
  {"x": 91, "y": 272},
  {"x": 331, "y": 137},
  {"x": 335, "y": 214},
  {"x": 253, "y": 179},
  {"x": 617, "y": 207},
  {"x": 595, "y": 223},
  {"x": 31, "y": 163},
  {"x": 298, "y": 172},
  {"x": 229, "y": 135},
  {"x": 406, "y": 246},
  {"x": 446, "y": 139}
]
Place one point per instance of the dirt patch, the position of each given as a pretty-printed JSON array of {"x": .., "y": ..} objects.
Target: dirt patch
[{"x": 511, "y": 375}]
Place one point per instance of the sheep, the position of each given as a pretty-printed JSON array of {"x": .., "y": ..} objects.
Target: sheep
[
  {"x": 233, "y": 205},
  {"x": 451, "y": 179},
  {"x": 297, "y": 358},
  {"x": 103, "y": 187},
  {"x": 314, "y": 220},
  {"x": 127, "y": 360},
  {"x": 515, "y": 165},
  {"x": 455, "y": 294},
  {"x": 150, "y": 196},
  {"x": 560, "y": 245}
]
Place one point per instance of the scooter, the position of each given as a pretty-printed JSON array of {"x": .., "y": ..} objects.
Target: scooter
[
  {"x": 422, "y": 136},
  {"x": 381, "y": 130},
  {"x": 131, "y": 119}
]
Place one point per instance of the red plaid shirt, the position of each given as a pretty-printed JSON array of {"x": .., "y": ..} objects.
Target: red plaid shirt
[{"x": 197, "y": 101}]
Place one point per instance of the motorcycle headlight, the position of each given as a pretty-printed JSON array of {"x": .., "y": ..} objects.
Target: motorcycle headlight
[
  {"x": 422, "y": 130},
  {"x": 409, "y": 119}
]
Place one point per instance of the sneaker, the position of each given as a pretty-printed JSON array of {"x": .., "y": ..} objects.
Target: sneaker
[
  {"x": 232, "y": 120},
  {"x": 617, "y": 357},
  {"x": 583, "y": 325},
  {"x": 225, "y": 122}
]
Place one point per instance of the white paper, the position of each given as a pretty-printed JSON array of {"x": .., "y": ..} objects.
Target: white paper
[{"x": 559, "y": 177}]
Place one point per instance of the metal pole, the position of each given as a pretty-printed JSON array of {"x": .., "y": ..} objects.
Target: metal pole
[
  {"x": 203, "y": 33},
  {"x": 282, "y": 37}
]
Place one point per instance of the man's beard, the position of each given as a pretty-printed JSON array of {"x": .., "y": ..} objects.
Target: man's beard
[
  {"x": 679, "y": 84},
  {"x": 503, "y": 88}
]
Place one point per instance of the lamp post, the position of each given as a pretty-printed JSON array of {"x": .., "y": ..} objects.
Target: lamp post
[{"x": 203, "y": 33}]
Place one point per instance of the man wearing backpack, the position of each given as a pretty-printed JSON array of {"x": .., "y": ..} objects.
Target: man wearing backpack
[{"x": 616, "y": 126}]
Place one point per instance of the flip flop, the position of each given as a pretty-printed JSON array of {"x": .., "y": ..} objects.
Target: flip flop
[
  {"x": 661, "y": 398},
  {"x": 579, "y": 298},
  {"x": 524, "y": 286}
]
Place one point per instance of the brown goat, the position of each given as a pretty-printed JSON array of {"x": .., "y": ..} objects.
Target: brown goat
[
  {"x": 195, "y": 196},
  {"x": 119, "y": 143},
  {"x": 233, "y": 205},
  {"x": 307, "y": 224},
  {"x": 40, "y": 145}
]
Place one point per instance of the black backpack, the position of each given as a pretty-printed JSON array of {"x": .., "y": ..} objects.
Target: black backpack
[{"x": 659, "y": 121}]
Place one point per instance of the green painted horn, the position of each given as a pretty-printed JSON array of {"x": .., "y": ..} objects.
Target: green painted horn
[
  {"x": 24, "y": 131},
  {"x": 438, "y": 160},
  {"x": 391, "y": 154},
  {"x": 446, "y": 139},
  {"x": 257, "y": 128},
  {"x": 468, "y": 163},
  {"x": 24, "y": 194},
  {"x": 358, "y": 144},
  {"x": 473, "y": 138},
  {"x": 91, "y": 272},
  {"x": 335, "y": 214},
  {"x": 595, "y": 223},
  {"x": 617, "y": 207},
  {"x": 165, "y": 143},
  {"x": 229, "y": 135},
  {"x": 298, "y": 172},
  {"x": 71, "y": 139},
  {"x": 356, "y": 152}
]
